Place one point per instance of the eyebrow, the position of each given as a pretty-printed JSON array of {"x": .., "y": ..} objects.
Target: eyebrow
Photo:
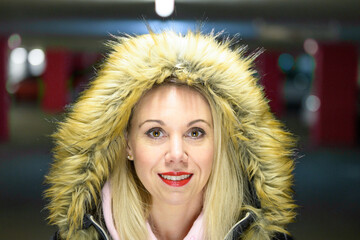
[
  {"x": 152, "y": 120},
  {"x": 198, "y": 120}
]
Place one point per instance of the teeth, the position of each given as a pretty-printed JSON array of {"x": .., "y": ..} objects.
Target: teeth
[{"x": 175, "y": 178}]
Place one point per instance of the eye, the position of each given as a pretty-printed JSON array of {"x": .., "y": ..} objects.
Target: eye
[
  {"x": 155, "y": 133},
  {"x": 196, "y": 133}
]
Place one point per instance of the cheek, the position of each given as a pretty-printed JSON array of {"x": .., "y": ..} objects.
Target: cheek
[
  {"x": 206, "y": 158},
  {"x": 208, "y": 162},
  {"x": 143, "y": 171},
  {"x": 145, "y": 161},
  {"x": 142, "y": 161}
]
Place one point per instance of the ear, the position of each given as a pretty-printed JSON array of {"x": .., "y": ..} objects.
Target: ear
[
  {"x": 130, "y": 155},
  {"x": 129, "y": 151}
]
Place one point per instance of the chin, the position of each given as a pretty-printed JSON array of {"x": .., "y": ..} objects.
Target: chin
[{"x": 177, "y": 199}]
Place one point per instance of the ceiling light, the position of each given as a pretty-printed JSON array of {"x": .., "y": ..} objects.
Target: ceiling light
[{"x": 164, "y": 8}]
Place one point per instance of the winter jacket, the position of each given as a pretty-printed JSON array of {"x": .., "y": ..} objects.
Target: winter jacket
[{"x": 85, "y": 141}]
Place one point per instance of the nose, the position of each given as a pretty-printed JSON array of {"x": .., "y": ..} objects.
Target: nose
[{"x": 176, "y": 151}]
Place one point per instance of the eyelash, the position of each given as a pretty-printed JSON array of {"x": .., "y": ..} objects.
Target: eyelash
[
  {"x": 201, "y": 133},
  {"x": 198, "y": 130},
  {"x": 150, "y": 132}
]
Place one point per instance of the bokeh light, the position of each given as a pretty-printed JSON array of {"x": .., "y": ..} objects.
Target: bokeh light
[
  {"x": 301, "y": 81},
  {"x": 305, "y": 63},
  {"x": 286, "y": 62},
  {"x": 14, "y": 41},
  {"x": 311, "y": 46},
  {"x": 36, "y": 60},
  {"x": 17, "y": 68},
  {"x": 36, "y": 57},
  {"x": 18, "y": 55},
  {"x": 312, "y": 103}
]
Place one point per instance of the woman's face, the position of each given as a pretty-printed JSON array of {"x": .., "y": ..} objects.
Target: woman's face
[{"x": 171, "y": 141}]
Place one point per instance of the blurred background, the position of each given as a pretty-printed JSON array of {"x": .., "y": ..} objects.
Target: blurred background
[{"x": 50, "y": 50}]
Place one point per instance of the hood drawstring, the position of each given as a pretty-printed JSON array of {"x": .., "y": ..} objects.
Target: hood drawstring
[{"x": 89, "y": 221}]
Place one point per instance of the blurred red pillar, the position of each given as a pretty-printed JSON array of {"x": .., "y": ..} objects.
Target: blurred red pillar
[
  {"x": 56, "y": 75},
  {"x": 336, "y": 87},
  {"x": 83, "y": 63},
  {"x": 4, "y": 101},
  {"x": 272, "y": 80}
]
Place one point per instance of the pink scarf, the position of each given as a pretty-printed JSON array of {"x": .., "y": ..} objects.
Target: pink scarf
[{"x": 195, "y": 232}]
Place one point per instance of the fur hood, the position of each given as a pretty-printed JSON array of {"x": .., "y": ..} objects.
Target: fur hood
[{"x": 87, "y": 142}]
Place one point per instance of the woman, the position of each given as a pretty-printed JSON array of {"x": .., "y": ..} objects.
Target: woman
[{"x": 173, "y": 140}]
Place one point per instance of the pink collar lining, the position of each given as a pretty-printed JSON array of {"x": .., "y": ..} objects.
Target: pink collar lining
[{"x": 195, "y": 233}]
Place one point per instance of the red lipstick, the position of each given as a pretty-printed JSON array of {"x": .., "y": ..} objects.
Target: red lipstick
[{"x": 175, "y": 179}]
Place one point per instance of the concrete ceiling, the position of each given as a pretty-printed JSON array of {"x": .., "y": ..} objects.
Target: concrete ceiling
[
  {"x": 271, "y": 21},
  {"x": 275, "y": 10}
]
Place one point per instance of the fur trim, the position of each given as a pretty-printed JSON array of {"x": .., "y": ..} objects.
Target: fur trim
[{"x": 91, "y": 138}]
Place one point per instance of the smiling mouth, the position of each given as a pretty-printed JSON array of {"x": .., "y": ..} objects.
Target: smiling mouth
[{"x": 175, "y": 179}]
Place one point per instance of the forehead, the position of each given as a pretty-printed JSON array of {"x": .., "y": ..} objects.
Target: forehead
[{"x": 172, "y": 102}]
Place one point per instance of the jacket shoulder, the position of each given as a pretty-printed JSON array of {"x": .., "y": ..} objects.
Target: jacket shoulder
[{"x": 55, "y": 236}]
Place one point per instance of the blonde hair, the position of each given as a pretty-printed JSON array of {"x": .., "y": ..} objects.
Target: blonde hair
[{"x": 223, "y": 196}]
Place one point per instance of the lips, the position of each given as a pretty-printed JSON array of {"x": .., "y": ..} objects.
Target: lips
[{"x": 175, "y": 179}]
